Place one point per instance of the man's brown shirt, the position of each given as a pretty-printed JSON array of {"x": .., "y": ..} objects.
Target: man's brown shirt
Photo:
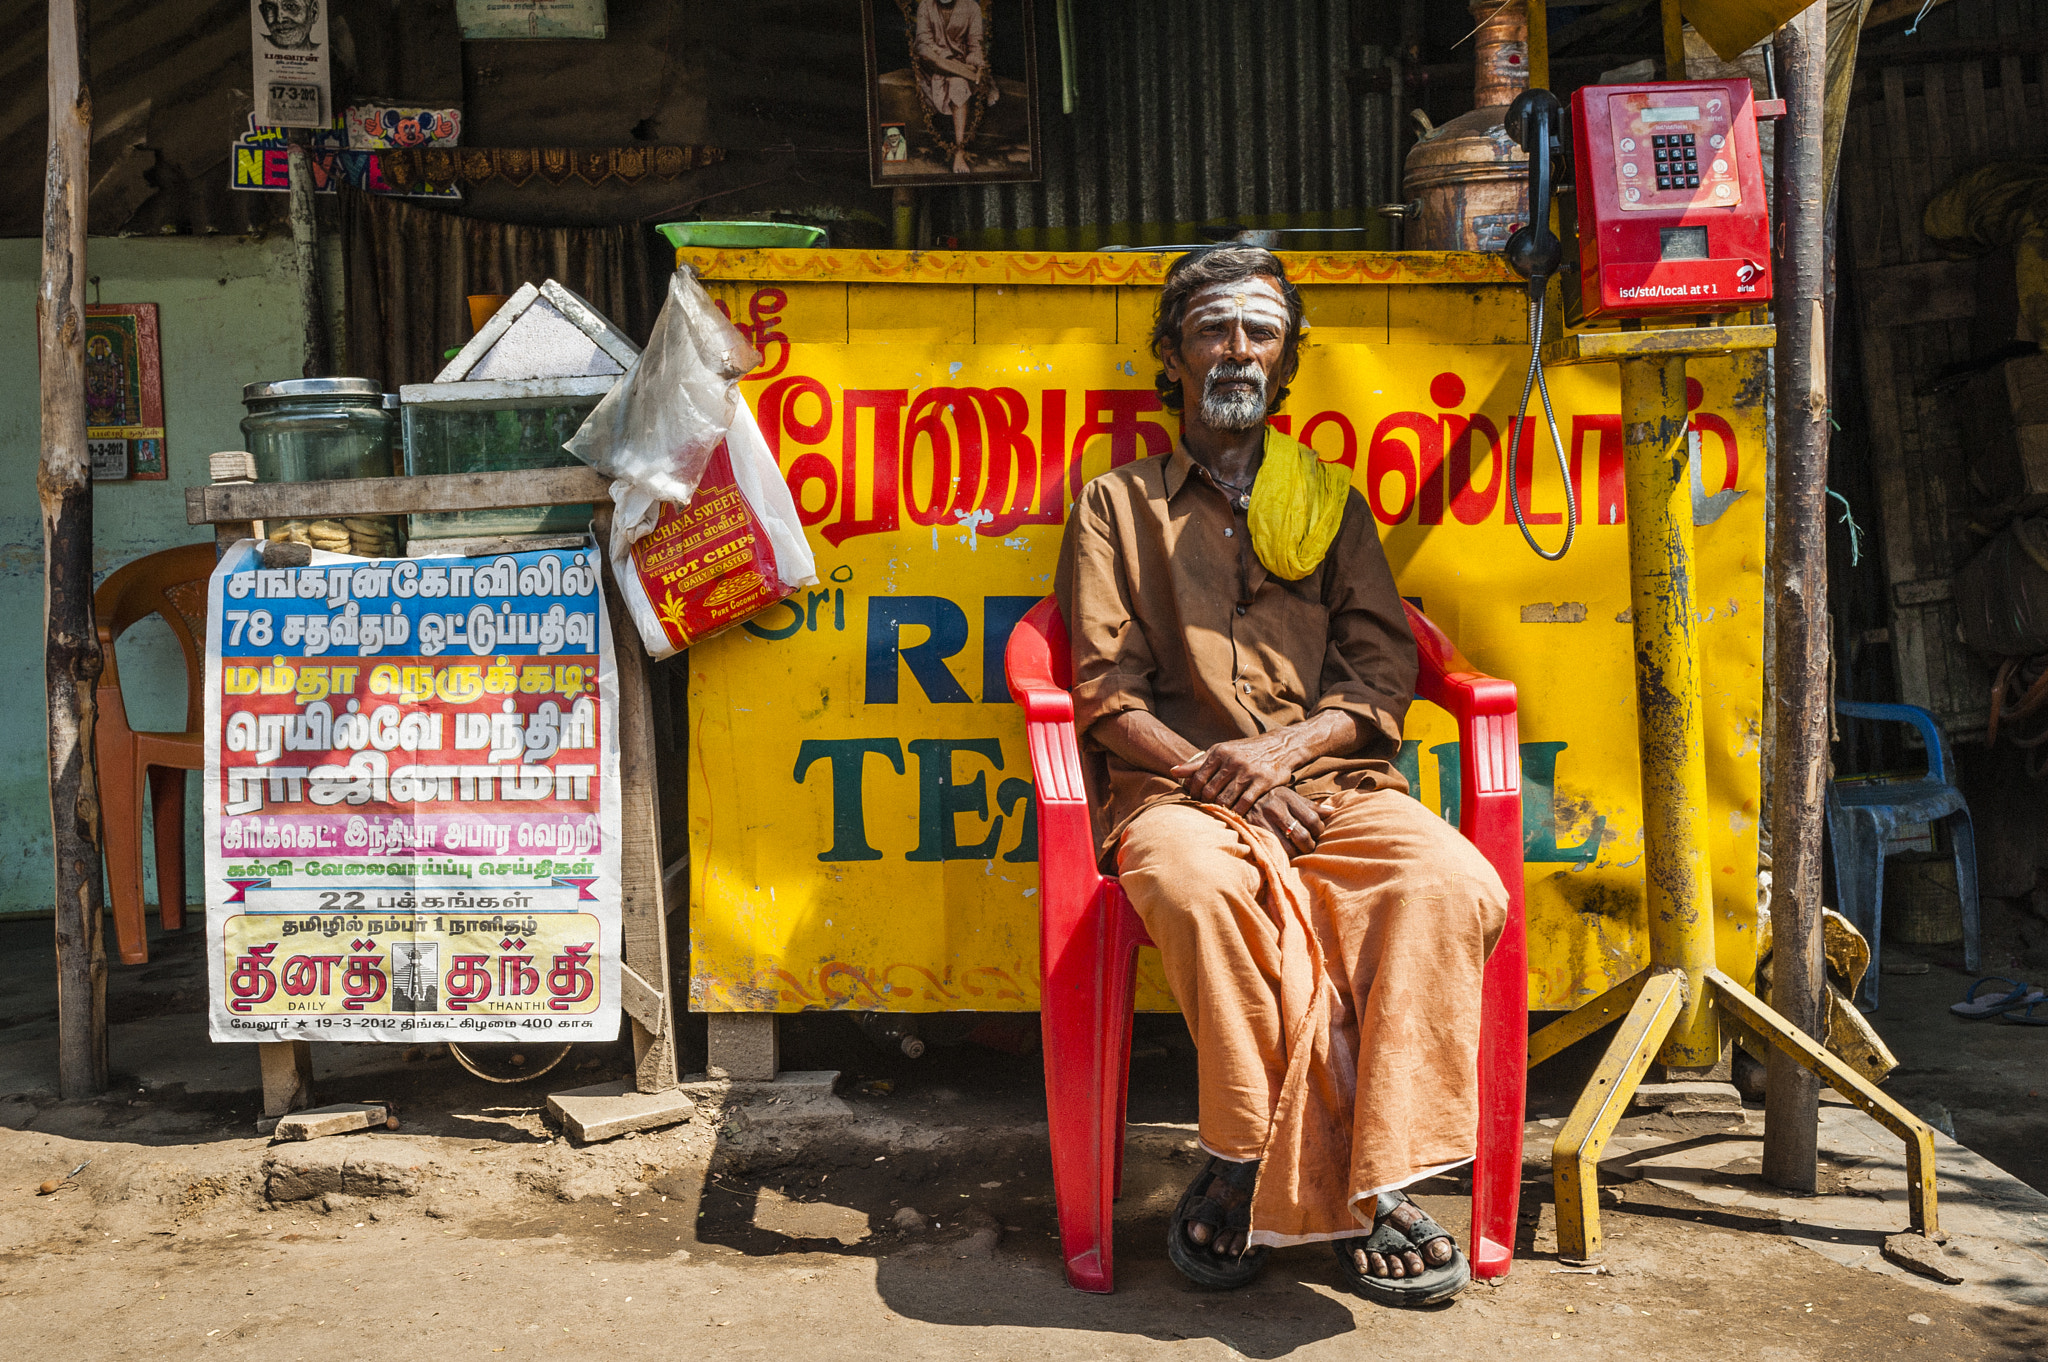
[{"x": 1171, "y": 611}]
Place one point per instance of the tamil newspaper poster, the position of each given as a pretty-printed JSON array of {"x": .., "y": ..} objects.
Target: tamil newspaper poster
[
  {"x": 291, "y": 75},
  {"x": 412, "y": 799}
]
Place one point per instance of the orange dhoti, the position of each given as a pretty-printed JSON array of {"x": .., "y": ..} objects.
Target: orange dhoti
[{"x": 1334, "y": 999}]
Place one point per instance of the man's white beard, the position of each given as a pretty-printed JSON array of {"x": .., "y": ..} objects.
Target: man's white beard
[{"x": 1234, "y": 410}]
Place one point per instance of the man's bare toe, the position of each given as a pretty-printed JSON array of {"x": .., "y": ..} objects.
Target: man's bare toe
[
  {"x": 1439, "y": 1251},
  {"x": 1199, "y": 1233},
  {"x": 1413, "y": 1262}
]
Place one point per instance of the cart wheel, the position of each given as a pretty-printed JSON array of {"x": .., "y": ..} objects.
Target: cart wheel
[{"x": 509, "y": 1063}]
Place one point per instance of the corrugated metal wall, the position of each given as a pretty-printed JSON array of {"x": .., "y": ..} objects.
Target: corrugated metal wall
[{"x": 1191, "y": 111}]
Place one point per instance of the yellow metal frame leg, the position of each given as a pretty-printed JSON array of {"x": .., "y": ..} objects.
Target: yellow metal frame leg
[
  {"x": 1576, "y": 1025},
  {"x": 1676, "y": 1006},
  {"x": 1738, "y": 1005},
  {"x": 1575, "y": 1158}
]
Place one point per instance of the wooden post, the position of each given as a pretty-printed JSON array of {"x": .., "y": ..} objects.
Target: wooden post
[
  {"x": 71, "y": 647},
  {"x": 1799, "y": 579},
  {"x": 643, "y": 925},
  {"x": 285, "y": 1066},
  {"x": 306, "y": 254}
]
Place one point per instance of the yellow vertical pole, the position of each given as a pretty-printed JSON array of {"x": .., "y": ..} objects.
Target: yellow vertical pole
[
  {"x": 1670, "y": 730},
  {"x": 1539, "y": 44},
  {"x": 1674, "y": 41}
]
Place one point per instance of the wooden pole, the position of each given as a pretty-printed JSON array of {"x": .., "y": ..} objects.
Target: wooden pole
[
  {"x": 306, "y": 253},
  {"x": 71, "y": 648},
  {"x": 1799, "y": 574}
]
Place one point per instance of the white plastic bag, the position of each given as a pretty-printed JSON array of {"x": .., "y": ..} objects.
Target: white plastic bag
[{"x": 704, "y": 531}]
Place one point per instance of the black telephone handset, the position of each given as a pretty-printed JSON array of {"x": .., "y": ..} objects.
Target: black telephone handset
[{"x": 1536, "y": 121}]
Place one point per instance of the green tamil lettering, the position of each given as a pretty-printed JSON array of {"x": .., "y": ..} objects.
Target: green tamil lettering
[
  {"x": 1539, "y": 809},
  {"x": 940, "y": 801},
  {"x": 1409, "y": 764},
  {"x": 849, "y": 761},
  {"x": 1539, "y": 801},
  {"x": 1007, "y": 795}
]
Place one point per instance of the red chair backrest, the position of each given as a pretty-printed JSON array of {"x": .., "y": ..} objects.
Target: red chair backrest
[{"x": 1039, "y": 650}]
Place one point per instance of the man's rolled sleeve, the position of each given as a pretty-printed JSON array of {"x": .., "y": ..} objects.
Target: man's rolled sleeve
[
  {"x": 1113, "y": 663},
  {"x": 1369, "y": 666}
]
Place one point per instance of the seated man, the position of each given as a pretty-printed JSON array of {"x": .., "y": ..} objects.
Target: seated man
[{"x": 1242, "y": 665}]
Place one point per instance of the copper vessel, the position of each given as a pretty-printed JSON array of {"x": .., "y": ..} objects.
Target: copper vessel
[{"x": 1467, "y": 181}]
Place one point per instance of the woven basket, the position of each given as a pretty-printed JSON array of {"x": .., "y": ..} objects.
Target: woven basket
[{"x": 1921, "y": 907}]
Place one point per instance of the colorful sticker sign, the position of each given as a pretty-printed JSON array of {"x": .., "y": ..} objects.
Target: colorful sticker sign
[
  {"x": 412, "y": 804},
  {"x": 260, "y": 160},
  {"x": 861, "y": 831}
]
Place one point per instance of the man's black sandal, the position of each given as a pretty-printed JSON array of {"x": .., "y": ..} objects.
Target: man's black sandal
[
  {"x": 1434, "y": 1286},
  {"x": 1200, "y": 1263}
]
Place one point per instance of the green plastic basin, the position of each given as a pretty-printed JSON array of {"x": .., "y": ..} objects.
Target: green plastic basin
[{"x": 741, "y": 235}]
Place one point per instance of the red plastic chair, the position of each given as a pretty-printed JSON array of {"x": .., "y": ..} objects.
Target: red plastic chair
[
  {"x": 1089, "y": 938},
  {"x": 171, "y": 583}
]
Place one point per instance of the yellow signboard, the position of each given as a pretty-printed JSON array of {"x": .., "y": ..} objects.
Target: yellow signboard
[{"x": 861, "y": 830}]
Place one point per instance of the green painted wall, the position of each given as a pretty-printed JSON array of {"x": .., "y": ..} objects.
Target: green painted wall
[{"x": 228, "y": 308}]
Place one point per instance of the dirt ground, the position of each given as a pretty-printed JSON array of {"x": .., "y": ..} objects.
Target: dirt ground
[{"x": 915, "y": 1220}]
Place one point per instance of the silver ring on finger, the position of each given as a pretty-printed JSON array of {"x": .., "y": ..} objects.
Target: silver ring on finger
[{"x": 1294, "y": 826}]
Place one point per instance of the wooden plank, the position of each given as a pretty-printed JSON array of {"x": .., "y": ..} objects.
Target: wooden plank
[
  {"x": 1894, "y": 502},
  {"x": 1858, "y": 186},
  {"x": 2012, "y": 95},
  {"x": 1906, "y": 205},
  {"x": 1915, "y": 294},
  {"x": 1941, "y": 150},
  {"x": 643, "y": 923},
  {"x": 572, "y": 486},
  {"x": 1976, "y": 125}
]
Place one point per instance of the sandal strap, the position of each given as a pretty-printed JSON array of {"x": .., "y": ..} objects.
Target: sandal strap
[{"x": 1423, "y": 1232}]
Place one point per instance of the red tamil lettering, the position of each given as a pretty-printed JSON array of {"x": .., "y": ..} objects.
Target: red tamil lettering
[
  {"x": 1525, "y": 477},
  {"x": 1609, "y": 491},
  {"x": 304, "y": 974},
  {"x": 776, "y": 410},
  {"x": 1114, "y": 412},
  {"x": 1390, "y": 456},
  {"x": 1347, "y": 449},
  {"x": 1471, "y": 505},
  {"x": 569, "y": 978},
  {"x": 252, "y": 982},
  {"x": 886, "y": 423},
  {"x": 469, "y": 982},
  {"x": 948, "y": 489},
  {"x": 364, "y": 981},
  {"x": 1031, "y": 490}
]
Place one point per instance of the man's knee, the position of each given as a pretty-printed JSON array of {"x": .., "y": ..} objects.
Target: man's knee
[{"x": 1178, "y": 864}]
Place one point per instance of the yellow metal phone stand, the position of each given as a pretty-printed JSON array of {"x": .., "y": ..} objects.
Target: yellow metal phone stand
[{"x": 1675, "y": 1009}]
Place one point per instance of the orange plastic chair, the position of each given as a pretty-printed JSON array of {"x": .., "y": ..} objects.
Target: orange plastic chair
[
  {"x": 171, "y": 583},
  {"x": 1089, "y": 937}
]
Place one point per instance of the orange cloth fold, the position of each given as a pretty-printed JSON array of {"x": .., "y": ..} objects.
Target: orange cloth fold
[{"x": 1334, "y": 998}]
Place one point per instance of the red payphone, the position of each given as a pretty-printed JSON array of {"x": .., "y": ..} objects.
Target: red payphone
[{"x": 1670, "y": 219}]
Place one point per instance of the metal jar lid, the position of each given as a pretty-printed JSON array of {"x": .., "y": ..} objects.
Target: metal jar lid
[{"x": 311, "y": 387}]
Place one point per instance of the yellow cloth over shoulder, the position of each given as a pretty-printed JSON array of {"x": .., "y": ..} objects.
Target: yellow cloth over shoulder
[{"x": 1297, "y": 506}]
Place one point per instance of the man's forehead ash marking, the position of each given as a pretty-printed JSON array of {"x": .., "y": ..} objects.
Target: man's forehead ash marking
[{"x": 1248, "y": 300}]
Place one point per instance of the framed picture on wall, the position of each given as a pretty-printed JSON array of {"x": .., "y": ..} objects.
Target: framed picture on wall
[
  {"x": 952, "y": 91},
  {"x": 124, "y": 393}
]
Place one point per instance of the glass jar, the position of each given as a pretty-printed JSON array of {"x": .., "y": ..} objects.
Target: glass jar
[
  {"x": 494, "y": 436},
  {"x": 321, "y": 430}
]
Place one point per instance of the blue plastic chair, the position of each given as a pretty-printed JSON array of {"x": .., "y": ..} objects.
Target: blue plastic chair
[{"x": 1862, "y": 816}]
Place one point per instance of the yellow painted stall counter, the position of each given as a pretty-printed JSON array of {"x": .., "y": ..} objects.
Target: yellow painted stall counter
[{"x": 860, "y": 814}]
